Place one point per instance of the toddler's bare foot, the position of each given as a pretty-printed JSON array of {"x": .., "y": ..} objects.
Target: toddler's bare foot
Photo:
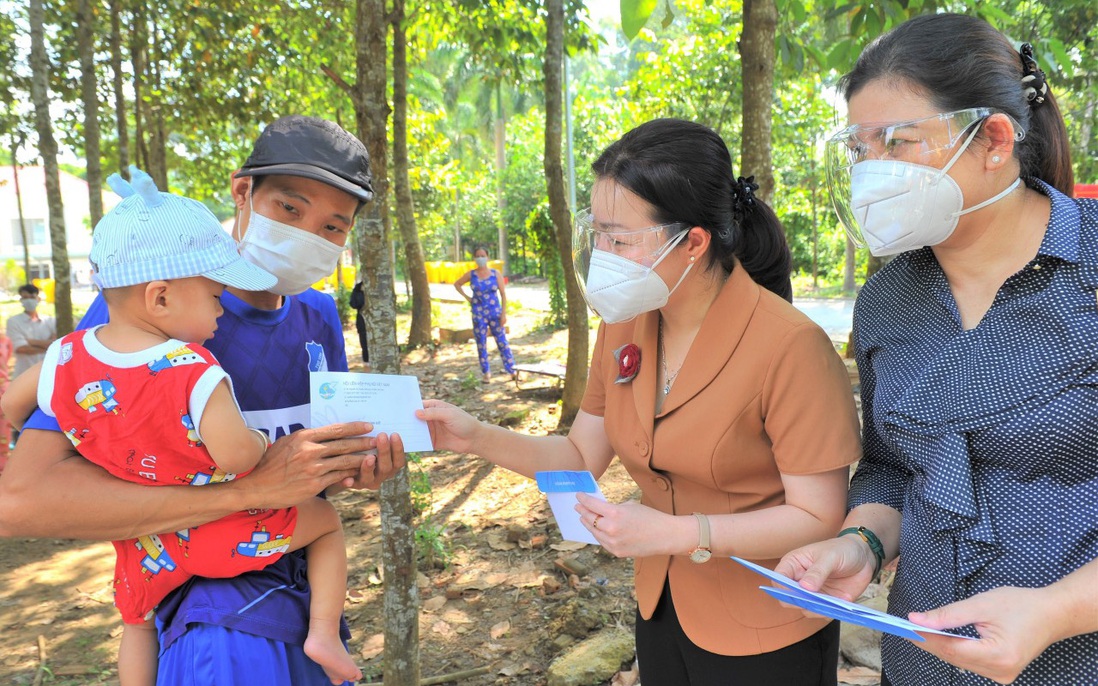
[{"x": 329, "y": 653}]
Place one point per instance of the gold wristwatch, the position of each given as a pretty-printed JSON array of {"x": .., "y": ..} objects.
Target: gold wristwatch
[{"x": 702, "y": 553}]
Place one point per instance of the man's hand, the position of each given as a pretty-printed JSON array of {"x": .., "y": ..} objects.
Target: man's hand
[
  {"x": 389, "y": 460},
  {"x": 302, "y": 464}
]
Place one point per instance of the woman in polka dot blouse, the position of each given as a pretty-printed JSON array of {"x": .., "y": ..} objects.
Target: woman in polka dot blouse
[{"x": 978, "y": 352}]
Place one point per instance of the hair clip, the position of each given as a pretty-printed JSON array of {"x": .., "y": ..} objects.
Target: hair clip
[
  {"x": 1034, "y": 85},
  {"x": 744, "y": 190}
]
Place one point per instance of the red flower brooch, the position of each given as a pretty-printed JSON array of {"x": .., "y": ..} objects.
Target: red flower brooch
[{"x": 629, "y": 362}]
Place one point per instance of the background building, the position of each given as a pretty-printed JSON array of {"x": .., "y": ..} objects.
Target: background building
[{"x": 32, "y": 187}]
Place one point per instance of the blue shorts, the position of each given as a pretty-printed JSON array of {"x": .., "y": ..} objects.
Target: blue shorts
[{"x": 211, "y": 655}]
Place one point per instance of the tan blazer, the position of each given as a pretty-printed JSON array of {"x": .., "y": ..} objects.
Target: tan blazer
[{"x": 762, "y": 391}]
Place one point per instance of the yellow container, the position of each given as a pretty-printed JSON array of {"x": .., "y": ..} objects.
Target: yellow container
[
  {"x": 329, "y": 282},
  {"x": 350, "y": 272},
  {"x": 432, "y": 271},
  {"x": 46, "y": 286}
]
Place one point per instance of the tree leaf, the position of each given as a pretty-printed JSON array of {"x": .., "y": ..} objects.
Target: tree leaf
[{"x": 634, "y": 15}]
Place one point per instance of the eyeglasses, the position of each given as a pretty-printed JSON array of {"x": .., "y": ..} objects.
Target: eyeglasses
[
  {"x": 639, "y": 245},
  {"x": 917, "y": 140}
]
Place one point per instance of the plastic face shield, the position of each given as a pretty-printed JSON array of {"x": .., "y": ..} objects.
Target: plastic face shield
[
  {"x": 642, "y": 246},
  {"x": 927, "y": 142}
]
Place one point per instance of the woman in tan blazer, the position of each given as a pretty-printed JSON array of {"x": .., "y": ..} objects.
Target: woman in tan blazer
[{"x": 729, "y": 408}]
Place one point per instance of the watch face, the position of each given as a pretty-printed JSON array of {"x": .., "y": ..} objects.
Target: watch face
[{"x": 700, "y": 555}]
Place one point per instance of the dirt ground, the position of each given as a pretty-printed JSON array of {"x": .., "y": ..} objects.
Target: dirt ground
[{"x": 501, "y": 593}]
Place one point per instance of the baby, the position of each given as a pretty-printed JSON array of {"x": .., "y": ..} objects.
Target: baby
[{"x": 139, "y": 397}]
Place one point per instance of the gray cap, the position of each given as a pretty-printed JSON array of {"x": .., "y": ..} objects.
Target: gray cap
[{"x": 313, "y": 148}]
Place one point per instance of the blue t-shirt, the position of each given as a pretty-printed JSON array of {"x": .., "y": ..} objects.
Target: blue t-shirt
[{"x": 268, "y": 355}]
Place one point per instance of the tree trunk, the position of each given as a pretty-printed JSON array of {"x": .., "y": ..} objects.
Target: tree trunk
[
  {"x": 119, "y": 94},
  {"x": 757, "y": 57},
  {"x": 15, "y": 145},
  {"x": 874, "y": 265},
  {"x": 401, "y": 601},
  {"x": 85, "y": 32},
  {"x": 138, "y": 50},
  {"x": 415, "y": 268},
  {"x": 501, "y": 167},
  {"x": 575, "y": 380},
  {"x": 848, "y": 267},
  {"x": 47, "y": 147},
  {"x": 158, "y": 137}
]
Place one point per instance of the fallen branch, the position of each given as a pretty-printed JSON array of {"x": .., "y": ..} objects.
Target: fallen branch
[
  {"x": 455, "y": 676},
  {"x": 442, "y": 678},
  {"x": 41, "y": 660}
]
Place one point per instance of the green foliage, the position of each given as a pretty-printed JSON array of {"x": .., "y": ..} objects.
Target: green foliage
[
  {"x": 539, "y": 226},
  {"x": 634, "y": 15},
  {"x": 432, "y": 547},
  {"x": 470, "y": 381},
  {"x": 227, "y": 68},
  {"x": 343, "y": 302},
  {"x": 12, "y": 276}
]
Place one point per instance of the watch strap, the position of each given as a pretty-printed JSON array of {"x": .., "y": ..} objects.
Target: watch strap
[{"x": 703, "y": 531}]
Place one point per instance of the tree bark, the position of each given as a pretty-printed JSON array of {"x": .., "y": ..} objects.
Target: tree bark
[
  {"x": 15, "y": 145},
  {"x": 119, "y": 94},
  {"x": 757, "y": 58},
  {"x": 848, "y": 267},
  {"x": 401, "y": 598},
  {"x": 47, "y": 147},
  {"x": 85, "y": 39},
  {"x": 138, "y": 50},
  {"x": 500, "y": 137},
  {"x": 414, "y": 263},
  {"x": 575, "y": 380},
  {"x": 158, "y": 137}
]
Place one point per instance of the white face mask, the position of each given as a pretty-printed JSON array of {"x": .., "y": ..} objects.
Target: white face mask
[
  {"x": 902, "y": 206},
  {"x": 618, "y": 289},
  {"x": 482, "y": 262},
  {"x": 296, "y": 257},
  {"x": 29, "y": 304}
]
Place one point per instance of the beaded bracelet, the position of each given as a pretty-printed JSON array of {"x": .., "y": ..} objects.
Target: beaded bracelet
[{"x": 872, "y": 541}]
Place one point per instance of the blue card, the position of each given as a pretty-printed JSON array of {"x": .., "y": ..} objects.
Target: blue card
[
  {"x": 560, "y": 488},
  {"x": 566, "y": 482}
]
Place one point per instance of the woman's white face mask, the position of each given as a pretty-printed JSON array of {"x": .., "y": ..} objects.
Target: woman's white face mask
[
  {"x": 619, "y": 289},
  {"x": 890, "y": 183},
  {"x": 296, "y": 257}
]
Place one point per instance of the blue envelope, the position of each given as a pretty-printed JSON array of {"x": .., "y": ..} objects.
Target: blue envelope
[
  {"x": 836, "y": 612},
  {"x": 837, "y": 608}
]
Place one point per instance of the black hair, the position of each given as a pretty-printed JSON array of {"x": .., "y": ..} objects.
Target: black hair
[
  {"x": 29, "y": 289},
  {"x": 684, "y": 170},
  {"x": 960, "y": 62}
]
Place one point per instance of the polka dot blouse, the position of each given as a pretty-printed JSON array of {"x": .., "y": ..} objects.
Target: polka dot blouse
[{"x": 986, "y": 439}]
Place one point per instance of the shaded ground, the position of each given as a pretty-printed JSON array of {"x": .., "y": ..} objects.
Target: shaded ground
[{"x": 499, "y": 589}]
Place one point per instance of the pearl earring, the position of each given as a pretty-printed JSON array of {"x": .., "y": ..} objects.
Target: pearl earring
[
  {"x": 692, "y": 258},
  {"x": 996, "y": 159}
]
